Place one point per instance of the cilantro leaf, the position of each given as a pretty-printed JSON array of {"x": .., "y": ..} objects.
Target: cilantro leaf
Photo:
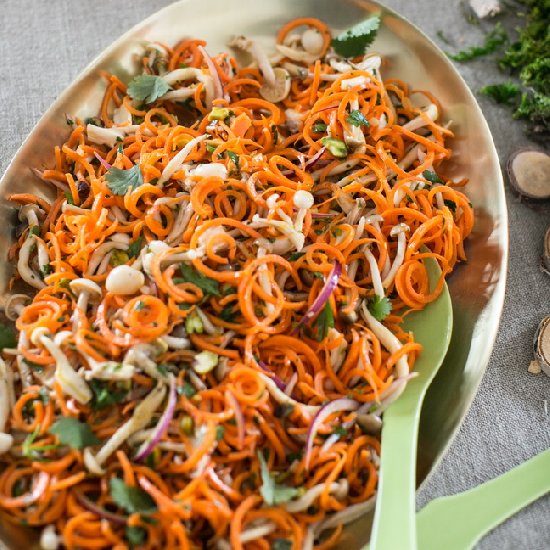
[
  {"x": 493, "y": 40},
  {"x": 122, "y": 181},
  {"x": 319, "y": 127},
  {"x": 135, "y": 248},
  {"x": 147, "y": 87},
  {"x": 325, "y": 321},
  {"x": 271, "y": 491},
  {"x": 135, "y": 535},
  {"x": 131, "y": 499},
  {"x": 281, "y": 544},
  {"x": 506, "y": 92},
  {"x": 7, "y": 337},
  {"x": 105, "y": 397},
  {"x": 379, "y": 307},
  {"x": 206, "y": 284},
  {"x": 76, "y": 434},
  {"x": 357, "y": 118},
  {"x": 355, "y": 41},
  {"x": 431, "y": 176},
  {"x": 187, "y": 389}
]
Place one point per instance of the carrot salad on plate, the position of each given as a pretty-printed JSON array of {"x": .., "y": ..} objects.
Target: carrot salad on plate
[{"x": 208, "y": 297}]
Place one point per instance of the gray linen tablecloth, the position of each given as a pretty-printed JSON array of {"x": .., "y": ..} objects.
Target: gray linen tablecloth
[{"x": 45, "y": 44}]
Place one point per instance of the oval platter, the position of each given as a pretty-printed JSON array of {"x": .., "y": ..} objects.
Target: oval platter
[{"x": 476, "y": 287}]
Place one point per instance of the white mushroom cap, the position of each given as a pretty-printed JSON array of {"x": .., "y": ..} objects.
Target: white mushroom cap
[
  {"x": 124, "y": 279},
  {"x": 303, "y": 199},
  {"x": 85, "y": 285},
  {"x": 280, "y": 90}
]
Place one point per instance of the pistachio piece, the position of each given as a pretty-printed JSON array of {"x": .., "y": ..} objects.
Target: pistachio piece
[
  {"x": 529, "y": 174},
  {"x": 280, "y": 89},
  {"x": 541, "y": 345},
  {"x": 336, "y": 147}
]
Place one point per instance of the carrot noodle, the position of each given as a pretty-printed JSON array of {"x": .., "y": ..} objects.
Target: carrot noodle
[{"x": 198, "y": 322}]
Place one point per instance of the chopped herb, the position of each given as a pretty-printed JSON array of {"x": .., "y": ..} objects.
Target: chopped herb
[
  {"x": 120, "y": 148},
  {"x": 184, "y": 307},
  {"x": 319, "y": 126},
  {"x": 281, "y": 544},
  {"x": 69, "y": 197},
  {"x": 135, "y": 535},
  {"x": 162, "y": 369},
  {"x": 357, "y": 118},
  {"x": 325, "y": 321},
  {"x": 271, "y": 491},
  {"x": 318, "y": 275},
  {"x": 340, "y": 430},
  {"x": 7, "y": 337},
  {"x": 220, "y": 430},
  {"x": 122, "y": 181},
  {"x": 104, "y": 397},
  {"x": 206, "y": 284},
  {"x": 431, "y": 176},
  {"x": 227, "y": 314},
  {"x": 211, "y": 148},
  {"x": 70, "y": 122},
  {"x": 187, "y": 390},
  {"x": 131, "y": 499},
  {"x": 296, "y": 256},
  {"x": 355, "y": 41},
  {"x": 46, "y": 270},
  {"x": 34, "y": 230},
  {"x": 35, "y": 366},
  {"x": 235, "y": 159},
  {"x": 140, "y": 306},
  {"x": 506, "y": 92},
  {"x": 496, "y": 38},
  {"x": 71, "y": 432},
  {"x": 135, "y": 248},
  {"x": 147, "y": 87},
  {"x": 379, "y": 307},
  {"x": 450, "y": 204}
]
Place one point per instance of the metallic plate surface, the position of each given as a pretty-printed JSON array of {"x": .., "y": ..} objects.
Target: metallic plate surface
[{"x": 476, "y": 287}]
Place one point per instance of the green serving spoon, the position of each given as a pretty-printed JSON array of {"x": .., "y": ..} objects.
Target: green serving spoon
[
  {"x": 394, "y": 525},
  {"x": 457, "y": 522}
]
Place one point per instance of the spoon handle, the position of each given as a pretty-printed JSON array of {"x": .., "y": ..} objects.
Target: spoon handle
[
  {"x": 394, "y": 524},
  {"x": 457, "y": 522}
]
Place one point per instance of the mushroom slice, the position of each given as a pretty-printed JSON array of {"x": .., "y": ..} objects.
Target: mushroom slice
[
  {"x": 545, "y": 259},
  {"x": 541, "y": 345},
  {"x": 280, "y": 90},
  {"x": 529, "y": 174}
]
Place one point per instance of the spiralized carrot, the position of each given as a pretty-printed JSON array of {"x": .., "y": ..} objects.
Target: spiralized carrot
[{"x": 261, "y": 265}]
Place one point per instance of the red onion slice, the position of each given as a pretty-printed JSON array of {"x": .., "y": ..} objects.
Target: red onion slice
[
  {"x": 313, "y": 160},
  {"x": 104, "y": 163},
  {"x": 218, "y": 86},
  {"x": 239, "y": 417},
  {"x": 148, "y": 446},
  {"x": 338, "y": 405},
  {"x": 278, "y": 382},
  {"x": 86, "y": 503},
  {"x": 321, "y": 300}
]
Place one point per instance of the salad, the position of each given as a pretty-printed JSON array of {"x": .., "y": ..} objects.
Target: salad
[{"x": 208, "y": 310}]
